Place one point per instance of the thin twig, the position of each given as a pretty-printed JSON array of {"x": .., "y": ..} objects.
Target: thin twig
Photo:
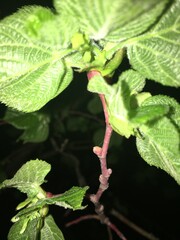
[
  {"x": 133, "y": 225},
  {"x": 110, "y": 225},
  {"x": 82, "y": 218},
  {"x": 60, "y": 149},
  {"x": 116, "y": 230},
  {"x": 109, "y": 233}
]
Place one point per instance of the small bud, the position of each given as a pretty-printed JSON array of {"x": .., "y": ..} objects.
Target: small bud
[{"x": 97, "y": 150}]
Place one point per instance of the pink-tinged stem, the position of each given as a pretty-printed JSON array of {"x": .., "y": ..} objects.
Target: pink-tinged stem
[
  {"x": 102, "y": 152},
  {"x": 105, "y": 173},
  {"x": 110, "y": 225},
  {"x": 116, "y": 230}
]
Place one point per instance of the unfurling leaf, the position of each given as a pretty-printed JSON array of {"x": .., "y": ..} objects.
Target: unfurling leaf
[
  {"x": 118, "y": 98},
  {"x": 20, "y": 231}
]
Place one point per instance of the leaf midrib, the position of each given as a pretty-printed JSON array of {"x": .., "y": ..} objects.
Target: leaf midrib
[
  {"x": 164, "y": 159},
  {"x": 52, "y": 58},
  {"x": 132, "y": 41}
]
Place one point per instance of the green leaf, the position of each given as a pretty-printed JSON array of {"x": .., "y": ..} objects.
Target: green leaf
[
  {"x": 36, "y": 228},
  {"x": 30, "y": 233},
  {"x": 156, "y": 54},
  {"x": 168, "y": 102},
  {"x": 145, "y": 114},
  {"x": 29, "y": 177},
  {"x": 35, "y": 125},
  {"x": 118, "y": 98},
  {"x": 111, "y": 20},
  {"x": 50, "y": 230},
  {"x": 58, "y": 31},
  {"x": 38, "y": 209},
  {"x": 35, "y": 20},
  {"x": 31, "y": 71},
  {"x": 159, "y": 146},
  {"x": 70, "y": 199}
]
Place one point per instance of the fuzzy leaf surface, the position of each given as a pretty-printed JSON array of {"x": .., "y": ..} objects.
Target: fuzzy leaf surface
[
  {"x": 160, "y": 143},
  {"x": 145, "y": 114},
  {"x": 35, "y": 125},
  {"x": 30, "y": 233},
  {"x": 160, "y": 147},
  {"x": 50, "y": 230},
  {"x": 29, "y": 177},
  {"x": 171, "y": 103},
  {"x": 118, "y": 98},
  {"x": 37, "y": 228},
  {"x": 32, "y": 72},
  {"x": 111, "y": 20},
  {"x": 35, "y": 215},
  {"x": 71, "y": 199},
  {"x": 156, "y": 54}
]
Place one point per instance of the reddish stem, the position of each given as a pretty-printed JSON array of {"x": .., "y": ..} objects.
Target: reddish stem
[
  {"x": 102, "y": 153},
  {"x": 93, "y": 216},
  {"x": 105, "y": 172},
  {"x": 82, "y": 218},
  {"x": 116, "y": 230}
]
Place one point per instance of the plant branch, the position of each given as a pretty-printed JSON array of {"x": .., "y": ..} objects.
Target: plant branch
[
  {"x": 133, "y": 225},
  {"x": 82, "y": 218},
  {"x": 105, "y": 172},
  {"x": 110, "y": 225},
  {"x": 101, "y": 154}
]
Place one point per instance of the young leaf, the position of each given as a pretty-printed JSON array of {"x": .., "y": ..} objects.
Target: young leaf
[
  {"x": 31, "y": 72},
  {"x": 168, "y": 102},
  {"x": 118, "y": 98},
  {"x": 29, "y": 177},
  {"x": 35, "y": 125},
  {"x": 50, "y": 230},
  {"x": 30, "y": 233},
  {"x": 156, "y": 54},
  {"x": 71, "y": 199},
  {"x": 145, "y": 114},
  {"x": 58, "y": 32},
  {"x": 38, "y": 210},
  {"x": 159, "y": 146},
  {"x": 111, "y": 20}
]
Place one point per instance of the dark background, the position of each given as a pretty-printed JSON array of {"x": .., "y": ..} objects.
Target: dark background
[{"x": 145, "y": 195}]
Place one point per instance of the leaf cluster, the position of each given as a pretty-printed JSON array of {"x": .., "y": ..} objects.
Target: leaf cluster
[
  {"x": 33, "y": 220},
  {"x": 40, "y": 49}
]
